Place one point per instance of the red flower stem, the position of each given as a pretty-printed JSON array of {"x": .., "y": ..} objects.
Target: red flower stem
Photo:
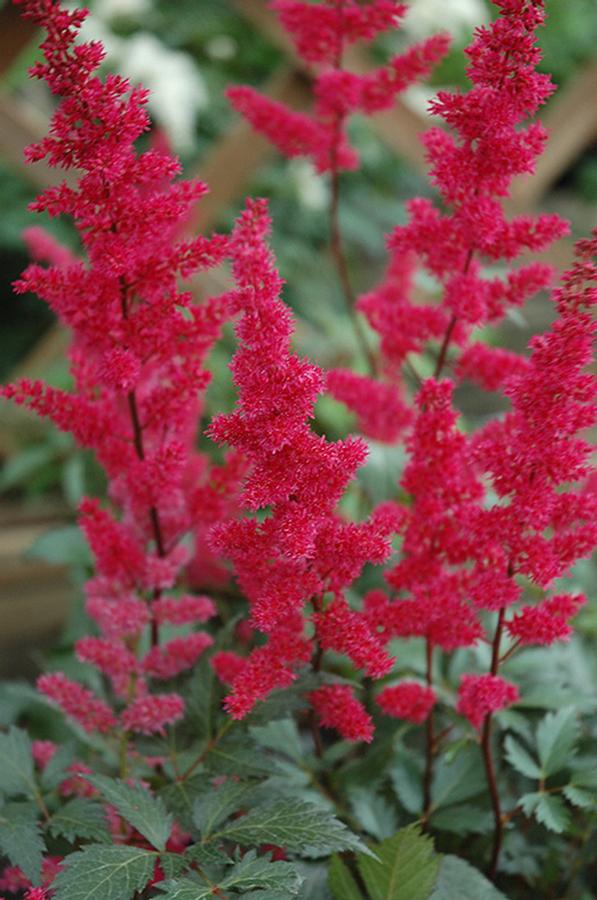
[
  {"x": 498, "y": 834},
  {"x": 316, "y": 662},
  {"x": 140, "y": 451},
  {"x": 430, "y": 739},
  {"x": 441, "y": 359}
]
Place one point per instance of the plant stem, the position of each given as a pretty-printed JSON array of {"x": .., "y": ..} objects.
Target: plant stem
[
  {"x": 140, "y": 451},
  {"x": 316, "y": 662},
  {"x": 206, "y": 750},
  {"x": 498, "y": 834},
  {"x": 430, "y": 739}
]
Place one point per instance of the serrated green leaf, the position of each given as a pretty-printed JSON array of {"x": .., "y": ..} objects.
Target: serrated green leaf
[
  {"x": 104, "y": 873},
  {"x": 463, "y": 818},
  {"x": 406, "y": 868},
  {"x": 141, "y": 809},
  {"x": 56, "y": 769},
  {"x": 186, "y": 889},
  {"x": 520, "y": 759},
  {"x": 251, "y": 873},
  {"x": 374, "y": 813},
  {"x": 580, "y": 796},
  {"x": 20, "y": 838},
  {"x": 557, "y": 734},
  {"x": 548, "y": 809},
  {"x": 16, "y": 764},
  {"x": 179, "y": 797},
  {"x": 459, "y": 879},
  {"x": 237, "y": 755},
  {"x": 298, "y": 826},
  {"x": 407, "y": 782},
  {"x": 458, "y": 779},
  {"x": 254, "y": 871},
  {"x": 281, "y": 735},
  {"x": 214, "y": 806},
  {"x": 341, "y": 882},
  {"x": 80, "y": 818}
]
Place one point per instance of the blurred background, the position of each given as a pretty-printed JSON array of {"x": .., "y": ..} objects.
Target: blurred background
[{"x": 186, "y": 52}]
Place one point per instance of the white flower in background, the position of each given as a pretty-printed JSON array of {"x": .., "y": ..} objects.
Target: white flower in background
[
  {"x": 120, "y": 9},
  {"x": 459, "y": 17},
  {"x": 311, "y": 188},
  {"x": 178, "y": 91}
]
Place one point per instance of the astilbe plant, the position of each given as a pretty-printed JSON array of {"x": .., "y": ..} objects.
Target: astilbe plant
[{"x": 483, "y": 521}]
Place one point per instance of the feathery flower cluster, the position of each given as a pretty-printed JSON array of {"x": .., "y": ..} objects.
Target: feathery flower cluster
[
  {"x": 137, "y": 365},
  {"x": 407, "y": 700},
  {"x": 338, "y": 708},
  {"x": 480, "y": 695},
  {"x": 321, "y": 32},
  {"x": 302, "y": 549}
]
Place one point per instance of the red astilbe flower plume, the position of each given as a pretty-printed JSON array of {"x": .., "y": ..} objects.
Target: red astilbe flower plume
[
  {"x": 444, "y": 491},
  {"x": 137, "y": 359},
  {"x": 338, "y": 708},
  {"x": 407, "y": 700},
  {"x": 480, "y": 695},
  {"x": 320, "y": 32},
  {"x": 302, "y": 548},
  {"x": 473, "y": 164}
]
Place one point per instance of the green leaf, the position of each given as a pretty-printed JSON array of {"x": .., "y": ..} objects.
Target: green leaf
[
  {"x": 279, "y": 879},
  {"x": 458, "y": 779},
  {"x": 237, "y": 754},
  {"x": 458, "y": 879},
  {"x": 16, "y": 764},
  {"x": 214, "y": 806},
  {"x": 548, "y": 809},
  {"x": 374, "y": 813},
  {"x": 135, "y": 804},
  {"x": 281, "y": 735},
  {"x": 579, "y": 796},
  {"x": 80, "y": 818},
  {"x": 62, "y": 546},
  {"x": 20, "y": 838},
  {"x": 104, "y": 873},
  {"x": 179, "y": 797},
  {"x": 520, "y": 759},
  {"x": 557, "y": 734},
  {"x": 463, "y": 818},
  {"x": 298, "y": 826},
  {"x": 406, "y": 868},
  {"x": 407, "y": 782},
  {"x": 341, "y": 882},
  {"x": 56, "y": 770}
]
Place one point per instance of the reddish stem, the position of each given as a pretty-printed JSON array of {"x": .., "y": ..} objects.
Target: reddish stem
[
  {"x": 140, "y": 451},
  {"x": 498, "y": 834},
  {"x": 430, "y": 739}
]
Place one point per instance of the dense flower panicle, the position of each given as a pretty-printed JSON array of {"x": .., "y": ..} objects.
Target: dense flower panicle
[
  {"x": 490, "y": 367},
  {"x": 407, "y": 700},
  {"x": 78, "y": 702},
  {"x": 271, "y": 666},
  {"x": 302, "y": 548},
  {"x": 338, "y": 708},
  {"x": 319, "y": 28},
  {"x": 547, "y": 621},
  {"x": 183, "y": 610},
  {"x": 481, "y": 695},
  {"x": 381, "y": 412},
  {"x": 346, "y": 631},
  {"x": 137, "y": 358},
  {"x": 168, "y": 660},
  {"x": 321, "y": 32},
  {"x": 227, "y": 665},
  {"x": 42, "y": 752},
  {"x": 44, "y": 247},
  {"x": 151, "y": 713}
]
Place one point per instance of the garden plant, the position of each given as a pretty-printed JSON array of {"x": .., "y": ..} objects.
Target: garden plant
[{"x": 299, "y": 680}]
